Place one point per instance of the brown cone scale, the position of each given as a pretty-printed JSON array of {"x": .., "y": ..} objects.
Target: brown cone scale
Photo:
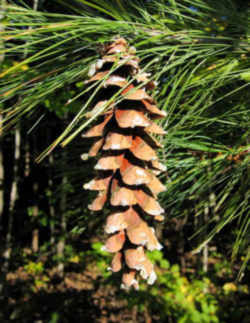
[{"x": 125, "y": 148}]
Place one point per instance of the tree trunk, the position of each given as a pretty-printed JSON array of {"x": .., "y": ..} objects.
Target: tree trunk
[
  {"x": 51, "y": 203},
  {"x": 13, "y": 198},
  {"x": 205, "y": 249},
  {"x": 63, "y": 225},
  {"x": 35, "y": 212}
]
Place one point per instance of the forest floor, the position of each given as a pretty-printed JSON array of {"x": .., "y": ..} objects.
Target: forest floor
[
  {"x": 74, "y": 298},
  {"x": 34, "y": 291}
]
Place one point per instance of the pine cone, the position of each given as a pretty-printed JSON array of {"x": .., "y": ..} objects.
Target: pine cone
[{"x": 127, "y": 163}]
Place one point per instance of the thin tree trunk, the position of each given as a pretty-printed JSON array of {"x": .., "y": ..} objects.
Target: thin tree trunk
[
  {"x": 63, "y": 223},
  {"x": 205, "y": 248},
  {"x": 35, "y": 213},
  {"x": 51, "y": 204},
  {"x": 208, "y": 211},
  {"x": 34, "y": 173},
  {"x": 13, "y": 198},
  {"x": 35, "y": 231},
  {"x": 63, "y": 219},
  {"x": 35, "y": 4}
]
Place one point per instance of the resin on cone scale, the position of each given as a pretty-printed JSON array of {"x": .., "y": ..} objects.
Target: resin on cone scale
[{"x": 125, "y": 148}]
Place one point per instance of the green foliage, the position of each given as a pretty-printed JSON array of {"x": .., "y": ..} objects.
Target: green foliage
[
  {"x": 172, "y": 295},
  {"x": 37, "y": 274},
  {"x": 34, "y": 268},
  {"x": 190, "y": 301},
  {"x": 185, "y": 299},
  {"x": 198, "y": 53},
  {"x": 60, "y": 104},
  {"x": 101, "y": 259},
  {"x": 54, "y": 318}
]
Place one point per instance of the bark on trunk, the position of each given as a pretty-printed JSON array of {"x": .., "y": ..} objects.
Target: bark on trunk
[
  {"x": 13, "y": 198},
  {"x": 51, "y": 204},
  {"x": 35, "y": 231},
  {"x": 63, "y": 225},
  {"x": 63, "y": 220}
]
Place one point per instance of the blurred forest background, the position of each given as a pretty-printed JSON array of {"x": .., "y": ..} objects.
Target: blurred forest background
[{"x": 52, "y": 266}]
